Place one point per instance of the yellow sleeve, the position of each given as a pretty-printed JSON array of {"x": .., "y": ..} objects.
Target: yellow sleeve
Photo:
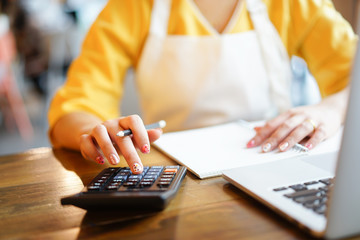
[
  {"x": 95, "y": 79},
  {"x": 315, "y": 31}
]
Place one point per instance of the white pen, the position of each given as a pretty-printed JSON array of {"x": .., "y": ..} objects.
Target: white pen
[{"x": 127, "y": 132}]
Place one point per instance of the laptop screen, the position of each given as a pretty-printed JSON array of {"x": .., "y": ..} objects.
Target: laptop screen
[{"x": 344, "y": 211}]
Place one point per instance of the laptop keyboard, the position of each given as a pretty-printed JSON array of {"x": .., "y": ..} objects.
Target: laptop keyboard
[{"x": 312, "y": 195}]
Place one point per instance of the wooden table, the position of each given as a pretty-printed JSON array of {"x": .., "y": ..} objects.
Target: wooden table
[{"x": 33, "y": 182}]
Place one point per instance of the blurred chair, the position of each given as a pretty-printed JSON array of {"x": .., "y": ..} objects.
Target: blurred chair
[{"x": 13, "y": 107}]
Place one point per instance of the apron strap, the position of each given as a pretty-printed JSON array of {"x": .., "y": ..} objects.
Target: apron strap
[
  {"x": 160, "y": 17},
  {"x": 276, "y": 58}
]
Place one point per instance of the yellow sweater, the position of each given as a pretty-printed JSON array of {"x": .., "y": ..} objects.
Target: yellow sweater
[{"x": 311, "y": 29}]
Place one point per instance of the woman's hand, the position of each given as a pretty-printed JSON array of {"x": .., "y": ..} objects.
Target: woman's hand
[
  {"x": 102, "y": 142},
  {"x": 315, "y": 122}
]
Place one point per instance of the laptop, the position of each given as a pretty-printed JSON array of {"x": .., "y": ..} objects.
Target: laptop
[{"x": 319, "y": 193}]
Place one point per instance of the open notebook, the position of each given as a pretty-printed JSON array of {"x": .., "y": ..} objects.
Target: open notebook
[{"x": 208, "y": 151}]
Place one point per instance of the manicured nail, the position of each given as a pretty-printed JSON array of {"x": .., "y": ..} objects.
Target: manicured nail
[
  {"x": 145, "y": 148},
  {"x": 137, "y": 168},
  {"x": 250, "y": 144},
  {"x": 114, "y": 159},
  {"x": 266, "y": 147},
  {"x": 257, "y": 129},
  {"x": 283, "y": 146},
  {"x": 100, "y": 160},
  {"x": 309, "y": 146}
]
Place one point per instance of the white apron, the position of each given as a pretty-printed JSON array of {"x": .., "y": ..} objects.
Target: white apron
[{"x": 197, "y": 81}]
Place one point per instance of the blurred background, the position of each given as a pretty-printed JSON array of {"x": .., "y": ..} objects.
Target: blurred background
[
  {"x": 45, "y": 37},
  {"x": 38, "y": 41}
]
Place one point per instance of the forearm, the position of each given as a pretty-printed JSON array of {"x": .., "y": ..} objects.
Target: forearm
[{"x": 68, "y": 129}]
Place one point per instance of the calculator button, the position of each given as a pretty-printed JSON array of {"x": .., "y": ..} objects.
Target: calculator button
[
  {"x": 169, "y": 173},
  {"x": 120, "y": 181},
  {"x": 157, "y": 167},
  {"x": 93, "y": 188},
  {"x": 174, "y": 167},
  {"x": 133, "y": 180},
  {"x": 166, "y": 179},
  {"x": 146, "y": 184},
  {"x": 169, "y": 180},
  {"x": 111, "y": 187},
  {"x": 163, "y": 184},
  {"x": 130, "y": 184},
  {"x": 110, "y": 171},
  {"x": 148, "y": 180},
  {"x": 152, "y": 173},
  {"x": 135, "y": 177},
  {"x": 123, "y": 174}
]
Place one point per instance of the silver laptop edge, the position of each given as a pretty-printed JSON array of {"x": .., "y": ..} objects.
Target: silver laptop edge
[{"x": 344, "y": 210}]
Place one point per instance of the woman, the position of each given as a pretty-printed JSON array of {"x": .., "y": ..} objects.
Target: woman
[{"x": 199, "y": 63}]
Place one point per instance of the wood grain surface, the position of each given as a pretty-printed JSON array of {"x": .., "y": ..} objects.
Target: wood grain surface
[{"x": 32, "y": 184}]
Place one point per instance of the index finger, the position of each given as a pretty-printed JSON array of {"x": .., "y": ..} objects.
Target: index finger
[
  {"x": 128, "y": 150},
  {"x": 139, "y": 133},
  {"x": 269, "y": 128}
]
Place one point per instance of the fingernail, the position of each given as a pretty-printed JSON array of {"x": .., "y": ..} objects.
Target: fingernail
[
  {"x": 309, "y": 146},
  {"x": 250, "y": 144},
  {"x": 283, "y": 146},
  {"x": 257, "y": 129},
  {"x": 100, "y": 160},
  {"x": 114, "y": 159},
  {"x": 266, "y": 147},
  {"x": 145, "y": 148},
  {"x": 137, "y": 168}
]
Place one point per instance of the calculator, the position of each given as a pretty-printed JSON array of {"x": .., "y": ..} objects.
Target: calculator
[{"x": 118, "y": 188}]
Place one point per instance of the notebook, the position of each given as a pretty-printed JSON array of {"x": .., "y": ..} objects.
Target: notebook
[
  {"x": 320, "y": 193},
  {"x": 208, "y": 151}
]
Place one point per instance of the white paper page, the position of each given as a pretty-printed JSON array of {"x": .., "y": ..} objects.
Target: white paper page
[{"x": 208, "y": 151}]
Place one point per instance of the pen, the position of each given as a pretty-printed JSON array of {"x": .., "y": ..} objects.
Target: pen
[{"x": 127, "y": 132}]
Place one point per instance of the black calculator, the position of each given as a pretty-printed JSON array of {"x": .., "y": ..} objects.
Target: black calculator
[{"x": 118, "y": 188}]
